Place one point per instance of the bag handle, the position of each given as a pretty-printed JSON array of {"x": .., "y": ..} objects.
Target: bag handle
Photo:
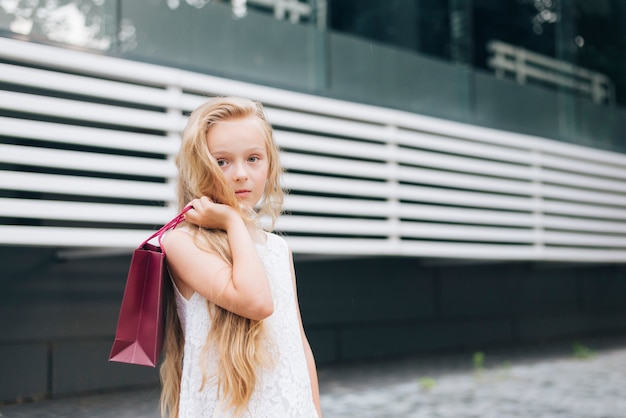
[{"x": 170, "y": 225}]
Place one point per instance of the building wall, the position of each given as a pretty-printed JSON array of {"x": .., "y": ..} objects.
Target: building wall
[
  {"x": 263, "y": 50},
  {"x": 59, "y": 317},
  {"x": 392, "y": 54},
  {"x": 366, "y": 308}
]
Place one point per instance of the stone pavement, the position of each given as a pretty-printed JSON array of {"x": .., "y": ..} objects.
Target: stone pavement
[{"x": 553, "y": 381}]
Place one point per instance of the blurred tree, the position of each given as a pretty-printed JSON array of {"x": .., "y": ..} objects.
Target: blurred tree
[{"x": 83, "y": 23}]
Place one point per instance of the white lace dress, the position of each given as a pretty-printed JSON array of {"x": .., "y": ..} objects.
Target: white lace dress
[{"x": 284, "y": 391}]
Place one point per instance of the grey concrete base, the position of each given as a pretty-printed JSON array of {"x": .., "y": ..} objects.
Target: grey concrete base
[{"x": 59, "y": 318}]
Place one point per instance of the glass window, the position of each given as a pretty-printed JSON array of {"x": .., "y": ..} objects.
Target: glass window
[
  {"x": 422, "y": 26},
  {"x": 529, "y": 24},
  {"x": 599, "y": 41},
  {"x": 85, "y": 23},
  {"x": 538, "y": 41}
]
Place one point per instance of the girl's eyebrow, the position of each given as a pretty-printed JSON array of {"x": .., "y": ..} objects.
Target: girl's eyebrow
[
  {"x": 246, "y": 151},
  {"x": 220, "y": 153}
]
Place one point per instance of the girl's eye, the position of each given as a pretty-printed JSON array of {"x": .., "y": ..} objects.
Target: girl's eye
[
  {"x": 221, "y": 163},
  {"x": 253, "y": 159}
]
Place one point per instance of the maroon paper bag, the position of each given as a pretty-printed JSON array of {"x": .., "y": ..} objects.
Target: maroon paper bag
[{"x": 139, "y": 333}]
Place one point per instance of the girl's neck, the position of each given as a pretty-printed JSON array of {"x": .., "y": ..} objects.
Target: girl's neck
[{"x": 255, "y": 232}]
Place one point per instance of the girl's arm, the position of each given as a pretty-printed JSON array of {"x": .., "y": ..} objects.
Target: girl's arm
[
  {"x": 243, "y": 288},
  {"x": 308, "y": 353}
]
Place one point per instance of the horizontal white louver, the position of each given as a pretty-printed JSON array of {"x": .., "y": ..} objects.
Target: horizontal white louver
[{"x": 86, "y": 160}]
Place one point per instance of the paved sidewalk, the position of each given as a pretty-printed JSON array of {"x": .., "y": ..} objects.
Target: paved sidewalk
[
  {"x": 540, "y": 382},
  {"x": 551, "y": 384}
]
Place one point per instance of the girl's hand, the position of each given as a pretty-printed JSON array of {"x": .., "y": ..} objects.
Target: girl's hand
[
  {"x": 208, "y": 214},
  {"x": 241, "y": 285}
]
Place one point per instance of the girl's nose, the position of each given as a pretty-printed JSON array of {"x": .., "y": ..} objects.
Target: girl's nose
[{"x": 240, "y": 173}]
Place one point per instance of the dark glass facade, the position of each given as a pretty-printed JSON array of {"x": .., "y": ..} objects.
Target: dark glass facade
[
  {"x": 434, "y": 57},
  {"x": 584, "y": 33}
]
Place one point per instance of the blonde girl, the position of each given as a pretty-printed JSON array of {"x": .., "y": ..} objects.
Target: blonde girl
[{"x": 234, "y": 344}]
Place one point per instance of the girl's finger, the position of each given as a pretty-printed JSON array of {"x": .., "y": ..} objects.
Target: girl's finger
[{"x": 193, "y": 211}]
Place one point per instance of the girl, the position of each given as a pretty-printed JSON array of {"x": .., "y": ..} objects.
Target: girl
[{"x": 234, "y": 343}]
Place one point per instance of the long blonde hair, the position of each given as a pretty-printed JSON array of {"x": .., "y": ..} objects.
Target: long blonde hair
[{"x": 238, "y": 340}]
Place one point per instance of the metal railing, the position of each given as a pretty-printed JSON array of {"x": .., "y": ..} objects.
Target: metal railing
[
  {"x": 526, "y": 66},
  {"x": 87, "y": 141},
  {"x": 293, "y": 10}
]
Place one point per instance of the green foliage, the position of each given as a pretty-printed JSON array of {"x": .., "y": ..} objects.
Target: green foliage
[
  {"x": 427, "y": 383},
  {"x": 478, "y": 359},
  {"x": 582, "y": 352},
  {"x": 506, "y": 366}
]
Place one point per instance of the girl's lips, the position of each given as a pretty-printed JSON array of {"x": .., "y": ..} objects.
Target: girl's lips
[{"x": 242, "y": 193}]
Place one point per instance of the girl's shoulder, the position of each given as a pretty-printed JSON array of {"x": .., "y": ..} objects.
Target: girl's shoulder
[{"x": 182, "y": 231}]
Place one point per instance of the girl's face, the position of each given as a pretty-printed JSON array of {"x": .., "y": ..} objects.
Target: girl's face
[{"x": 238, "y": 145}]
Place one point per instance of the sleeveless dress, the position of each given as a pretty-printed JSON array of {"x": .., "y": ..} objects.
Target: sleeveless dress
[{"x": 282, "y": 391}]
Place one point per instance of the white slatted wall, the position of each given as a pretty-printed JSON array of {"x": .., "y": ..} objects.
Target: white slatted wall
[{"x": 87, "y": 142}]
